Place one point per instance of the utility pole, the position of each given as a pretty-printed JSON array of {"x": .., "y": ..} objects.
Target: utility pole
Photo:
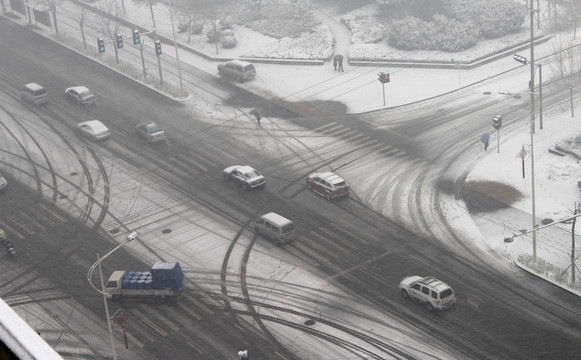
[{"x": 532, "y": 92}]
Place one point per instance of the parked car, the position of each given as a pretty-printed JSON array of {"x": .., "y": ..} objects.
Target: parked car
[
  {"x": 3, "y": 183},
  {"x": 245, "y": 176},
  {"x": 434, "y": 293},
  {"x": 150, "y": 132},
  {"x": 328, "y": 184},
  {"x": 237, "y": 69},
  {"x": 34, "y": 94},
  {"x": 94, "y": 130},
  {"x": 81, "y": 95}
]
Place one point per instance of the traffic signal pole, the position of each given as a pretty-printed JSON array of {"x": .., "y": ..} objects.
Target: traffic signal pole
[{"x": 383, "y": 86}]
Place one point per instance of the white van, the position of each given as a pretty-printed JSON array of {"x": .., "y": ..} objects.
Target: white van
[{"x": 276, "y": 227}]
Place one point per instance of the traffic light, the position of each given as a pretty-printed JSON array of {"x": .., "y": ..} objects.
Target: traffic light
[
  {"x": 383, "y": 77},
  {"x": 157, "y": 47},
  {"x": 136, "y": 39},
  {"x": 497, "y": 122},
  {"x": 119, "y": 40},
  {"x": 101, "y": 45}
]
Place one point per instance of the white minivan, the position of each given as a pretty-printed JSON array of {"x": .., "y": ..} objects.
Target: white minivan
[{"x": 276, "y": 227}]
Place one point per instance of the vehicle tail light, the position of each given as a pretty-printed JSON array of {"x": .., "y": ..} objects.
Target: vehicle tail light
[{"x": 438, "y": 303}]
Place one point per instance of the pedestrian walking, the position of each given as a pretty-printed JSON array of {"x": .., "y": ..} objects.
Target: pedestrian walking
[
  {"x": 335, "y": 62},
  {"x": 339, "y": 62},
  {"x": 486, "y": 145}
]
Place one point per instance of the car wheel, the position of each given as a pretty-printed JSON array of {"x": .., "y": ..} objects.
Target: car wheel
[
  {"x": 240, "y": 79},
  {"x": 404, "y": 294},
  {"x": 226, "y": 177},
  {"x": 328, "y": 196},
  {"x": 430, "y": 307}
]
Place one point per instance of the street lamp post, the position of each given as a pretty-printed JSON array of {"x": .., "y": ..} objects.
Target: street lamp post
[
  {"x": 132, "y": 236},
  {"x": 531, "y": 89}
]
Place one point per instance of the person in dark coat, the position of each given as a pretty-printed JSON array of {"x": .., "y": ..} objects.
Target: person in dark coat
[
  {"x": 339, "y": 62},
  {"x": 335, "y": 63}
]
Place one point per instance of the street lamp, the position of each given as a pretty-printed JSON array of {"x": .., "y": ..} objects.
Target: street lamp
[{"x": 132, "y": 236}]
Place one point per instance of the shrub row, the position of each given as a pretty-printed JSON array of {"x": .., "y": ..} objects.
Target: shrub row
[{"x": 460, "y": 25}]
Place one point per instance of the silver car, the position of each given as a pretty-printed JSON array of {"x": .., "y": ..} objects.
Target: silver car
[
  {"x": 150, "y": 132},
  {"x": 81, "y": 95},
  {"x": 94, "y": 130}
]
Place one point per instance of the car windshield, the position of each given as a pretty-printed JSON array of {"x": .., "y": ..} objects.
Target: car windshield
[
  {"x": 340, "y": 184},
  {"x": 444, "y": 294},
  {"x": 86, "y": 94},
  {"x": 249, "y": 68},
  {"x": 251, "y": 174},
  {"x": 288, "y": 228},
  {"x": 153, "y": 128}
]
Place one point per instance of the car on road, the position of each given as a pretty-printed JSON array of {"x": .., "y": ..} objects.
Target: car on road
[
  {"x": 434, "y": 293},
  {"x": 328, "y": 184},
  {"x": 237, "y": 69},
  {"x": 246, "y": 176},
  {"x": 150, "y": 132},
  {"x": 93, "y": 130},
  {"x": 34, "y": 94},
  {"x": 81, "y": 95},
  {"x": 3, "y": 183}
]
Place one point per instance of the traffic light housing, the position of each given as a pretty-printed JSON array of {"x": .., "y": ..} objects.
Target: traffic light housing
[
  {"x": 119, "y": 41},
  {"x": 157, "y": 47},
  {"x": 497, "y": 122},
  {"x": 136, "y": 38},
  {"x": 101, "y": 45},
  {"x": 383, "y": 77}
]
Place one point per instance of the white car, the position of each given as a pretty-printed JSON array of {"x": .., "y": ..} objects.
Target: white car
[
  {"x": 94, "y": 130},
  {"x": 434, "y": 293},
  {"x": 246, "y": 176},
  {"x": 81, "y": 95}
]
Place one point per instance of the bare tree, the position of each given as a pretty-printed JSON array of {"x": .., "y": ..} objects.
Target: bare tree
[
  {"x": 566, "y": 64},
  {"x": 213, "y": 10},
  {"x": 109, "y": 21},
  {"x": 150, "y": 4},
  {"x": 80, "y": 17},
  {"x": 53, "y": 6},
  {"x": 189, "y": 12}
]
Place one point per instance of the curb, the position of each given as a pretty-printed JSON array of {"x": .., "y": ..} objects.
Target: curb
[{"x": 574, "y": 292}]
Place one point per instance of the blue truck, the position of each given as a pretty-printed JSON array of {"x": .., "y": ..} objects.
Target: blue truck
[{"x": 164, "y": 280}]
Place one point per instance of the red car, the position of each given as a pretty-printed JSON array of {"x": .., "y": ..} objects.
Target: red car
[{"x": 328, "y": 184}]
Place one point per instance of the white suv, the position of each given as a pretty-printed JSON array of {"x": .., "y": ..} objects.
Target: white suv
[{"x": 434, "y": 293}]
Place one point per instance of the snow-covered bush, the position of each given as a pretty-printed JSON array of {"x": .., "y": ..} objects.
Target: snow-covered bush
[
  {"x": 228, "y": 42},
  {"x": 213, "y": 36},
  {"x": 411, "y": 33},
  {"x": 285, "y": 18},
  {"x": 364, "y": 28},
  {"x": 197, "y": 28},
  {"x": 492, "y": 18},
  {"x": 452, "y": 35}
]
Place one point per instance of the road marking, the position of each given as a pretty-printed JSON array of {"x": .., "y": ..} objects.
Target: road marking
[
  {"x": 324, "y": 126},
  {"x": 189, "y": 311},
  {"x": 149, "y": 322},
  {"x": 12, "y": 230},
  {"x": 191, "y": 162},
  {"x": 53, "y": 213},
  {"x": 133, "y": 339},
  {"x": 330, "y": 242},
  {"x": 346, "y": 271},
  {"x": 296, "y": 252},
  {"x": 350, "y": 233}
]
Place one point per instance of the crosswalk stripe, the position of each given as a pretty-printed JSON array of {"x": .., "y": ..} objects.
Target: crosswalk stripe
[{"x": 324, "y": 126}]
